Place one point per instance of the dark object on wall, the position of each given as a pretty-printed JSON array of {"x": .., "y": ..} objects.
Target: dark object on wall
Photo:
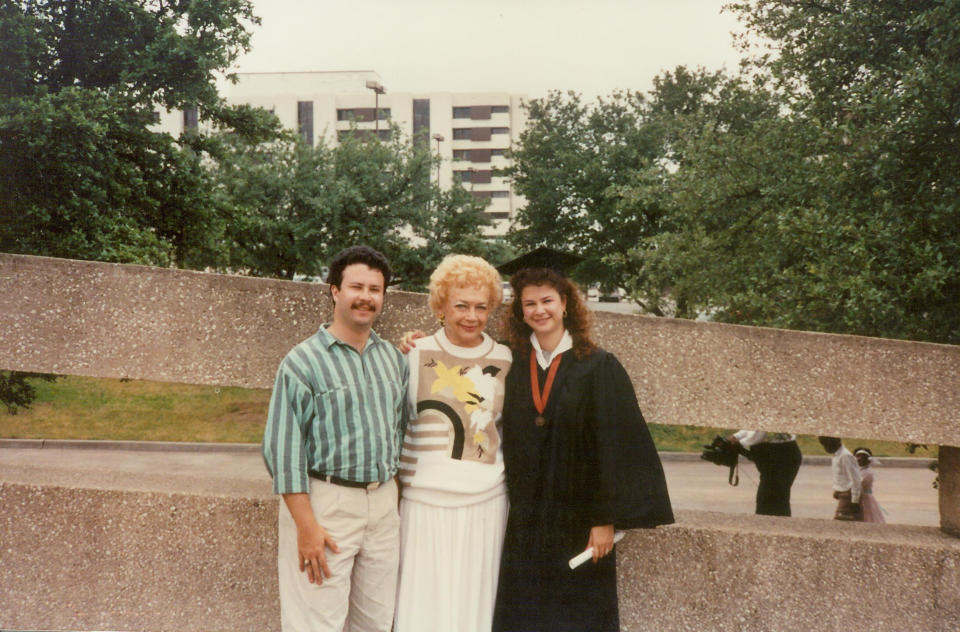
[{"x": 726, "y": 453}]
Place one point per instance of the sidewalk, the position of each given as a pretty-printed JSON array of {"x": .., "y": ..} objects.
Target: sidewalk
[
  {"x": 242, "y": 448},
  {"x": 903, "y": 487}
]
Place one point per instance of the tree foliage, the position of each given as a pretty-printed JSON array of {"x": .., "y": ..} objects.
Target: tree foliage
[
  {"x": 84, "y": 174},
  {"x": 293, "y": 206},
  {"x": 596, "y": 175},
  {"x": 815, "y": 190},
  {"x": 569, "y": 164},
  {"x": 16, "y": 391},
  {"x": 837, "y": 210}
]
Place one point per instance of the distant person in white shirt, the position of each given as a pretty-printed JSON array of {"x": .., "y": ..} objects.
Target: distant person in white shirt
[{"x": 846, "y": 479}]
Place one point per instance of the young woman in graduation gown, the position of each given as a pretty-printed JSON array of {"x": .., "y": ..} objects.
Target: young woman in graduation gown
[{"x": 579, "y": 463}]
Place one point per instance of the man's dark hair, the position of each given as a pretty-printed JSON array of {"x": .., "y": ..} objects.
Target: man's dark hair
[
  {"x": 830, "y": 444},
  {"x": 358, "y": 254}
]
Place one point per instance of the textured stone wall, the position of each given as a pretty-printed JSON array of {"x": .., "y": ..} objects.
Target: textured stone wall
[
  {"x": 727, "y": 573},
  {"x": 85, "y": 318},
  {"x": 96, "y": 559},
  {"x": 76, "y": 556},
  {"x": 106, "y": 559}
]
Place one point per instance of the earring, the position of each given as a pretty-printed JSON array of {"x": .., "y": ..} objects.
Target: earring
[{"x": 441, "y": 320}]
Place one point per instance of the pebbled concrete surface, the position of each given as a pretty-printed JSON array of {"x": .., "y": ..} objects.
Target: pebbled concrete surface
[
  {"x": 186, "y": 541},
  {"x": 906, "y": 492},
  {"x": 111, "y": 320}
]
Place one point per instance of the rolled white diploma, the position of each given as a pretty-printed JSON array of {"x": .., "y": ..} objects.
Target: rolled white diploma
[{"x": 588, "y": 554}]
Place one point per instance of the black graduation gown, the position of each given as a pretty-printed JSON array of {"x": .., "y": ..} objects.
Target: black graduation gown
[{"x": 593, "y": 463}]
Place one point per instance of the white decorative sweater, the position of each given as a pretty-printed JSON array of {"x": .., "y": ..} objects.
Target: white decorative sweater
[{"x": 451, "y": 450}]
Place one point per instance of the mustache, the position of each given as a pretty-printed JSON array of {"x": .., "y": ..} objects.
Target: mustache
[{"x": 361, "y": 304}]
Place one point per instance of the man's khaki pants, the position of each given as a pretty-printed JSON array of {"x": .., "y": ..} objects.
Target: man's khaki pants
[{"x": 359, "y": 596}]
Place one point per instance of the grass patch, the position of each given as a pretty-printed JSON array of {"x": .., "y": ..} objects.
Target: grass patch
[
  {"x": 137, "y": 410},
  {"x": 683, "y": 438}
]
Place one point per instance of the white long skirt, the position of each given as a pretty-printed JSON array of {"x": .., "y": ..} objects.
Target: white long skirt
[{"x": 449, "y": 564}]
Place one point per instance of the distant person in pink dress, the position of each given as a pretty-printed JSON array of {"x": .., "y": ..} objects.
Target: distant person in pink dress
[{"x": 868, "y": 503}]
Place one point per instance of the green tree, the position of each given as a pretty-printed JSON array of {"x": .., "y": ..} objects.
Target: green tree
[
  {"x": 16, "y": 391},
  {"x": 452, "y": 223},
  {"x": 571, "y": 162},
  {"x": 83, "y": 173},
  {"x": 837, "y": 211},
  {"x": 684, "y": 106},
  {"x": 596, "y": 176},
  {"x": 292, "y": 206},
  {"x": 747, "y": 219},
  {"x": 275, "y": 194},
  {"x": 379, "y": 191}
]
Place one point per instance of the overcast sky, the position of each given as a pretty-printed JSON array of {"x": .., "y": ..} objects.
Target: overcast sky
[{"x": 518, "y": 46}]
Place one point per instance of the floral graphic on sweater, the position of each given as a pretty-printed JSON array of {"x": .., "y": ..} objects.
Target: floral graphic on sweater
[{"x": 473, "y": 390}]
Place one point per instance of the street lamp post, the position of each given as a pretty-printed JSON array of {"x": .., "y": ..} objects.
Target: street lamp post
[
  {"x": 439, "y": 138},
  {"x": 378, "y": 89}
]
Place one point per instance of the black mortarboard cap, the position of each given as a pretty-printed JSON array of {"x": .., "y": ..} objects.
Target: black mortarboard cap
[{"x": 542, "y": 257}]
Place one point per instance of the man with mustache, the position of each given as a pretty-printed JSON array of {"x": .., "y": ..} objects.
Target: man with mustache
[{"x": 332, "y": 445}]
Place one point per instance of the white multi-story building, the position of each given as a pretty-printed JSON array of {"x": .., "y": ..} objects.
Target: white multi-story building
[{"x": 470, "y": 131}]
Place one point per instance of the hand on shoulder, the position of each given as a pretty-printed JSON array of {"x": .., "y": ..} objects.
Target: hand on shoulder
[{"x": 407, "y": 342}]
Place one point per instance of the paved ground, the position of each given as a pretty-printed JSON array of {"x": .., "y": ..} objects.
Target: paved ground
[
  {"x": 623, "y": 307},
  {"x": 906, "y": 493}
]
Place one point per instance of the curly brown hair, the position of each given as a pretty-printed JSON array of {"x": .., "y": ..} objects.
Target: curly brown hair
[{"x": 578, "y": 320}]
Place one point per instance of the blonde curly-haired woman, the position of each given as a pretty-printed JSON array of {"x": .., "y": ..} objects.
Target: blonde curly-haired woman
[{"x": 453, "y": 507}]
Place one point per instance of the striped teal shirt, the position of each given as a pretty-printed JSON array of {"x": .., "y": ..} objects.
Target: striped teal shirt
[{"x": 336, "y": 411}]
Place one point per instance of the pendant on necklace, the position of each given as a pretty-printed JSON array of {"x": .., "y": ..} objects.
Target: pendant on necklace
[{"x": 540, "y": 399}]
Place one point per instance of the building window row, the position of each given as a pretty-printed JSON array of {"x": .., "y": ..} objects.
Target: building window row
[
  {"x": 486, "y": 195},
  {"x": 477, "y": 155},
  {"x": 363, "y": 134},
  {"x": 191, "y": 118},
  {"x": 305, "y": 121},
  {"x": 362, "y": 115},
  {"x": 478, "y": 133},
  {"x": 479, "y": 112},
  {"x": 475, "y": 176}
]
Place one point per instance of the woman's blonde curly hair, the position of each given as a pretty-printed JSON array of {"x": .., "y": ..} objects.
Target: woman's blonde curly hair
[{"x": 464, "y": 271}]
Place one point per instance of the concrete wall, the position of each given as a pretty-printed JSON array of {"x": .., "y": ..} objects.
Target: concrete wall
[
  {"x": 77, "y": 558},
  {"x": 717, "y": 572},
  {"x": 84, "y": 558},
  {"x": 75, "y": 555},
  {"x": 84, "y": 318}
]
